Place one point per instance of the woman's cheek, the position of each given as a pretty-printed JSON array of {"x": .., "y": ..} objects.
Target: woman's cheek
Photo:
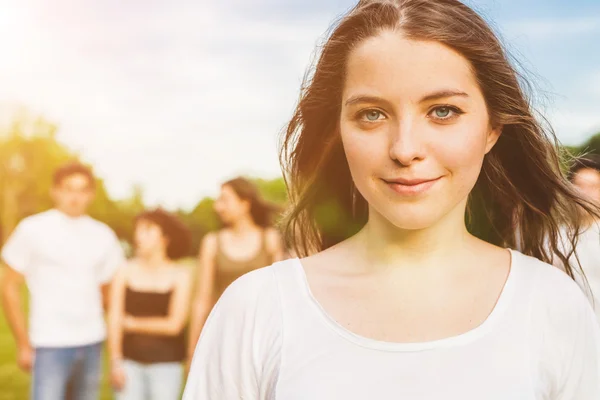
[{"x": 465, "y": 146}]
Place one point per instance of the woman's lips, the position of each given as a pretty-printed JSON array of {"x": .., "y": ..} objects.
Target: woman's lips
[{"x": 411, "y": 187}]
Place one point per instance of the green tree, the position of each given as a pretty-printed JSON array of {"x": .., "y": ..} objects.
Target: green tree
[
  {"x": 273, "y": 190},
  {"x": 201, "y": 220},
  {"x": 26, "y": 190},
  {"x": 592, "y": 145}
]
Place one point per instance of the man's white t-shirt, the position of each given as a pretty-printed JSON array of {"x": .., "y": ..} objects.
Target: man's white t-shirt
[
  {"x": 268, "y": 338},
  {"x": 64, "y": 261}
]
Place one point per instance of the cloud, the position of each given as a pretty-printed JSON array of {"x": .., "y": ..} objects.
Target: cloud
[
  {"x": 554, "y": 27},
  {"x": 592, "y": 85},
  {"x": 177, "y": 96},
  {"x": 575, "y": 124}
]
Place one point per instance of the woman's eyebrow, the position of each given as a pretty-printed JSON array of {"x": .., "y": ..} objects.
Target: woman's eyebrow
[
  {"x": 443, "y": 94},
  {"x": 366, "y": 99},
  {"x": 440, "y": 94}
]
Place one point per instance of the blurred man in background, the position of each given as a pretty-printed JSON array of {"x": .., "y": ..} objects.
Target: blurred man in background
[
  {"x": 585, "y": 176},
  {"x": 67, "y": 260}
]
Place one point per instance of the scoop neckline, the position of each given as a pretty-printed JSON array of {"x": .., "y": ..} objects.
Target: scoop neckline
[{"x": 451, "y": 341}]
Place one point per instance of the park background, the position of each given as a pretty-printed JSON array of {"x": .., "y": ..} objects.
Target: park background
[{"x": 166, "y": 100}]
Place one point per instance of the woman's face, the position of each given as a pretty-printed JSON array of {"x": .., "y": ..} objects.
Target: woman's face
[
  {"x": 148, "y": 237},
  {"x": 415, "y": 128},
  {"x": 229, "y": 206}
]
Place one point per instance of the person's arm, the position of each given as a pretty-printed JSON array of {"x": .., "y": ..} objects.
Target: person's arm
[
  {"x": 105, "y": 290},
  {"x": 12, "y": 282},
  {"x": 239, "y": 352},
  {"x": 17, "y": 255},
  {"x": 116, "y": 312},
  {"x": 203, "y": 301},
  {"x": 275, "y": 245},
  {"x": 176, "y": 318}
]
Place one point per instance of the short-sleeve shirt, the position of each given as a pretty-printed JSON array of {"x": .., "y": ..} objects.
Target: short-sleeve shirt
[
  {"x": 65, "y": 261},
  {"x": 586, "y": 259},
  {"x": 268, "y": 338}
]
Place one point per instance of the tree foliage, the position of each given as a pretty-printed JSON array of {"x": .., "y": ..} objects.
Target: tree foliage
[
  {"x": 592, "y": 145},
  {"x": 33, "y": 143}
]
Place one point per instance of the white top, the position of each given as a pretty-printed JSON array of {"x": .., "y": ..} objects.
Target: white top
[
  {"x": 588, "y": 254},
  {"x": 65, "y": 261},
  {"x": 268, "y": 338}
]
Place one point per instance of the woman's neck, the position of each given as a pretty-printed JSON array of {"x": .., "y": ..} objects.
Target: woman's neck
[
  {"x": 155, "y": 259},
  {"x": 386, "y": 245},
  {"x": 243, "y": 225}
]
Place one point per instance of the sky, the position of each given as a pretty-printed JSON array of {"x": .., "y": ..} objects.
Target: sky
[{"x": 178, "y": 96}]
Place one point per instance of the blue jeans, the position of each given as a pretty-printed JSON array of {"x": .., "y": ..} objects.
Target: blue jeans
[
  {"x": 56, "y": 367},
  {"x": 157, "y": 381}
]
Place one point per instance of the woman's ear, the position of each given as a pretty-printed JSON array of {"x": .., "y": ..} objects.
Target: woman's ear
[{"x": 492, "y": 137}]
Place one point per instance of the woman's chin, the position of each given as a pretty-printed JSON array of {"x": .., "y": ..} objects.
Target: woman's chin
[
  {"x": 143, "y": 253},
  {"x": 410, "y": 216},
  {"x": 413, "y": 224}
]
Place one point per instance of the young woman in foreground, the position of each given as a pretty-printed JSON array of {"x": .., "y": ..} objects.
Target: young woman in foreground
[{"x": 412, "y": 135}]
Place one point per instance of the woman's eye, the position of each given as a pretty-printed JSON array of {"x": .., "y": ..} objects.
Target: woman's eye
[
  {"x": 444, "y": 113},
  {"x": 371, "y": 115}
]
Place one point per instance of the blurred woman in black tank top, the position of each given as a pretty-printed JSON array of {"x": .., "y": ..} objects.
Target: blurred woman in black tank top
[
  {"x": 149, "y": 308},
  {"x": 247, "y": 242}
]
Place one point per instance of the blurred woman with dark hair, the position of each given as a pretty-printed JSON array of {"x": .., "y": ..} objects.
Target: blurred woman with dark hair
[
  {"x": 149, "y": 308},
  {"x": 247, "y": 242}
]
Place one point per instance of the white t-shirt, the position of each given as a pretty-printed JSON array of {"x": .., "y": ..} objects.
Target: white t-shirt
[
  {"x": 588, "y": 254},
  {"x": 268, "y": 338},
  {"x": 64, "y": 261}
]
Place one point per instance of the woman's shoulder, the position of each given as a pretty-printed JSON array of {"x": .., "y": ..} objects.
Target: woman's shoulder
[
  {"x": 210, "y": 239},
  {"x": 551, "y": 288},
  {"x": 252, "y": 304},
  {"x": 258, "y": 286},
  {"x": 546, "y": 277},
  {"x": 263, "y": 278},
  {"x": 561, "y": 324}
]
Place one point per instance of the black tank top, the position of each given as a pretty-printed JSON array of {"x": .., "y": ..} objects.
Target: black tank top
[{"x": 145, "y": 348}]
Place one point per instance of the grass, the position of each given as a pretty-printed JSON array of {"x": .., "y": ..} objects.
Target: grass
[{"x": 14, "y": 382}]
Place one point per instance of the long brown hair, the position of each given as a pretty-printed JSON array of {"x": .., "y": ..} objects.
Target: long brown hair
[
  {"x": 263, "y": 212},
  {"x": 520, "y": 186},
  {"x": 178, "y": 235}
]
